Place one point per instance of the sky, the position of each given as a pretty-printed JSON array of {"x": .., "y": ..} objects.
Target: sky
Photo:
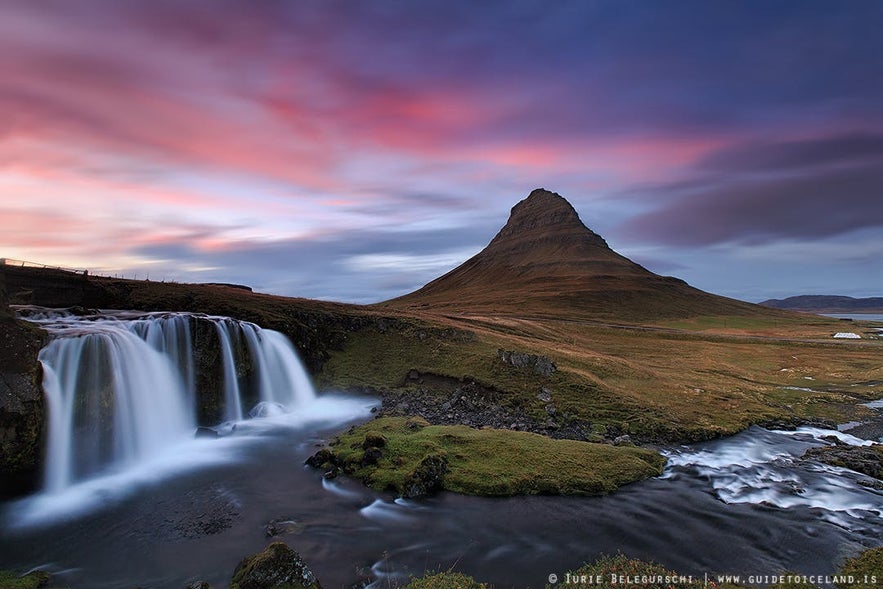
[{"x": 353, "y": 151}]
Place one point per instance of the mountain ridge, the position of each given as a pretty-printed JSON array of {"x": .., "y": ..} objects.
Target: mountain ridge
[
  {"x": 827, "y": 304},
  {"x": 546, "y": 261}
]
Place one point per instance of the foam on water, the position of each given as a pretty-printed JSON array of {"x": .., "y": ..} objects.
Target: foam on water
[{"x": 765, "y": 467}]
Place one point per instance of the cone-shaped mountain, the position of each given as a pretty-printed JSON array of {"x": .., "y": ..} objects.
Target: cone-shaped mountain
[{"x": 546, "y": 262}]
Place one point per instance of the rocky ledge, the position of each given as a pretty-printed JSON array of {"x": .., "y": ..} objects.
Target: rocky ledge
[
  {"x": 21, "y": 401},
  {"x": 867, "y": 460}
]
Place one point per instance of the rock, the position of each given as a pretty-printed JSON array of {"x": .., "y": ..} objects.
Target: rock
[
  {"x": 545, "y": 395},
  {"x": 324, "y": 458},
  {"x": 427, "y": 478},
  {"x": 540, "y": 364},
  {"x": 32, "y": 580},
  {"x": 373, "y": 440},
  {"x": 416, "y": 423},
  {"x": 371, "y": 456},
  {"x": 551, "y": 409},
  {"x": 625, "y": 440},
  {"x": 206, "y": 432},
  {"x": 280, "y": 527},
  {"x": 278, "y": 566},
  {"x": 867, "y": 460},
  {"x": 199, "y": 585}
]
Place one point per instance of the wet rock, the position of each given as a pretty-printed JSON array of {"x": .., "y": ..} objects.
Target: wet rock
[
  {"x": 205, "y": 432},
  {"x": 278, "y": 566},
  {"x": 427, "y": 478},
  {"x": 322, "y": 459},
  {"x": 283, "y": 526},
  {"x": 867, "y": 460},
  {"x": 32, "y": 580}
]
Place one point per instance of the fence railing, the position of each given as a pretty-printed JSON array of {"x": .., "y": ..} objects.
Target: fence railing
[{"x": 26, "y": 264}]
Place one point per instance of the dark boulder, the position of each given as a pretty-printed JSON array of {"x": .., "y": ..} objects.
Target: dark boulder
[
  {"x": 427, "y": 478},
  {"x": 278, "y": 566},
  {"x": 371, "y": 456}
]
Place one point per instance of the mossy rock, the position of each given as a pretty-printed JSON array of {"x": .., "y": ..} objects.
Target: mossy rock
[
  {"x": 866, "y": 570},
  {"x": 33, "y": 580},
  {"x": 277, "y": 567},
  {"x": 445, "y": 580},
  {"x": 421, "y": 460}
]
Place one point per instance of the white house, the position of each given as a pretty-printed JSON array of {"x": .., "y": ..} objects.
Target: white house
[{"x": 846, "y": 335}]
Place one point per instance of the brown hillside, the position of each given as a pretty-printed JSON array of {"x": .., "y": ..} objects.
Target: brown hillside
[{"x": 546, "y": 262}]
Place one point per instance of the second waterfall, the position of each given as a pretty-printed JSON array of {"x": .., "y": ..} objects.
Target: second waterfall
[{"x": 122, "y": 387}]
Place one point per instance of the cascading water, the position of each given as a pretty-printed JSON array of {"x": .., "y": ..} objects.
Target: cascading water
[{"x": 121, "y": 386}]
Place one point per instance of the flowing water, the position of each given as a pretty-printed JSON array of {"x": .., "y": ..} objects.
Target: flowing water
[{"x": 161, "y": 509}]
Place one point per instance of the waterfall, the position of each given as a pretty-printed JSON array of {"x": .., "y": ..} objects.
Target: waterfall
[
  {"x": 232, "y": 402},
  {"x": 121, "y": 387}
]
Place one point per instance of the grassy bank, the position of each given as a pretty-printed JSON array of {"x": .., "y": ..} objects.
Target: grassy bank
[
  {"x": 657, "y": 384},
  {"x": 404, "y": 455}
]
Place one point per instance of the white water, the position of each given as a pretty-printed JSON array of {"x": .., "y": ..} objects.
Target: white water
[
  {"x": 764, "y": 467},
  {"x": 120, "y": 387}
]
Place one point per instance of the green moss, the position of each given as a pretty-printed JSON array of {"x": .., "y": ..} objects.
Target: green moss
[
  {"x": 34, "y": 580},
  {"x": 277, "y": 567},
  {"x": 866, "y": 570},
  {"x": 622, "y": 572},
  {"x": 487, "y": 461},
  {"x": 445, "y": 580}
]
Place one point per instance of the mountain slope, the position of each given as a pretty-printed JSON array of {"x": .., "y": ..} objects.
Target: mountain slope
[
  {"x": 827, "y": 304},
  {"x": 546, "y": 262}
]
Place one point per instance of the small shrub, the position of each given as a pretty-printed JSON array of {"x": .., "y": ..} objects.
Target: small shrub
[{"x": 446, "y": 580}]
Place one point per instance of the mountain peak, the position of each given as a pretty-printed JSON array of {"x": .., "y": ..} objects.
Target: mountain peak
[
  {"x": 545, "y": 261},
  {"x": 542, "y": 212}
]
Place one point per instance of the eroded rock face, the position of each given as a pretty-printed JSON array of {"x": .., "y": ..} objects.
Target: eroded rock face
[
  {"x": 21, "y": 402},
  {"x": 540, "y": 364},
  {"x": 278, "y": 566}
]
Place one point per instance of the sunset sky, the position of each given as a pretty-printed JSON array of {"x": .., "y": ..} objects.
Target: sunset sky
[{"x": 355, "y": 150}]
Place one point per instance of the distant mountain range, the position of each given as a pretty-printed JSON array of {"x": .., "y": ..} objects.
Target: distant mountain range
[
  {"x": 827, "y": 304},
  {"x": 546, "y": 262}
]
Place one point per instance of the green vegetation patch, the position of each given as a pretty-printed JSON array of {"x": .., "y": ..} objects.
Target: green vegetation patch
[
  {"x": 866, "y": 570},
  {"x": 33, "y": 580},
  {"x": 445, "y": 580},
  {"x": 622, "y": 572},
  {"x": 413, "y": 458}
]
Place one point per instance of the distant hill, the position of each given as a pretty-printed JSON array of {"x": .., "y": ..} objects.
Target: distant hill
[
  {"x": 827, "y": 304},
  {"x": 546, "y": 262}
]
